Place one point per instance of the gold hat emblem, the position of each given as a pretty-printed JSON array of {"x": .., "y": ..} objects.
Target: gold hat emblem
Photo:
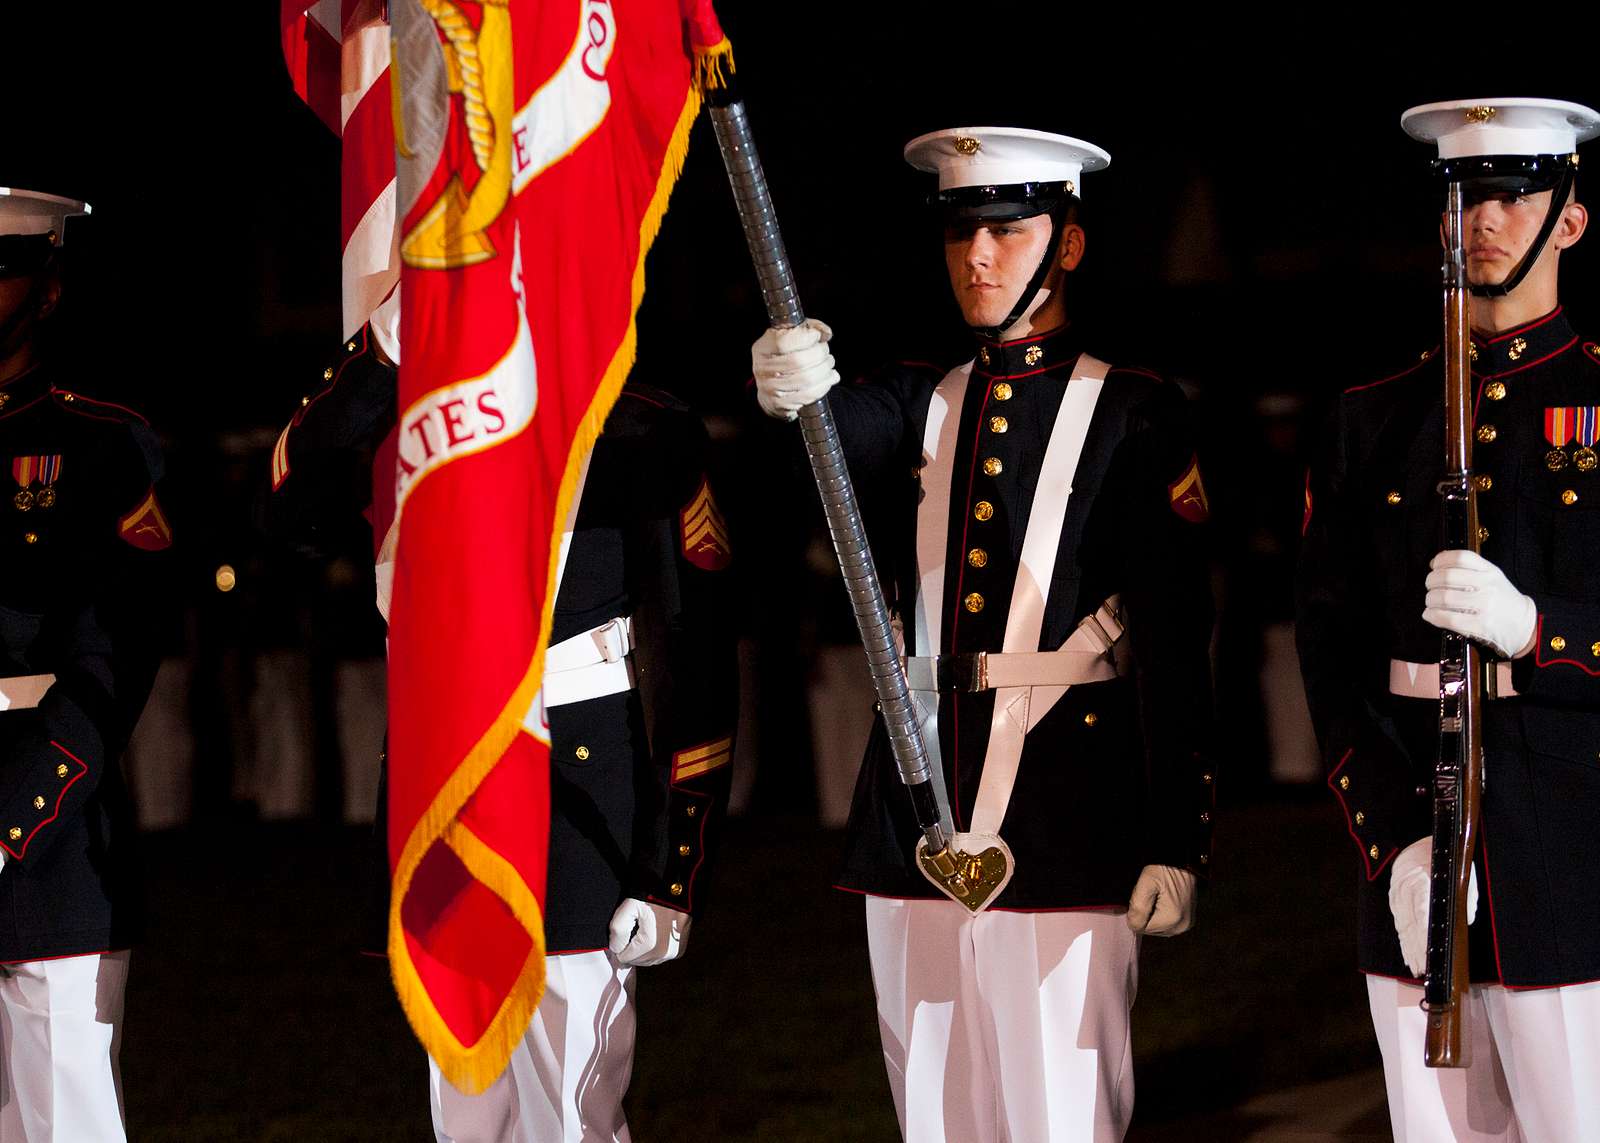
[
  {"x": 966, "y": 145},
  {"x": 1480, "y": 114}
]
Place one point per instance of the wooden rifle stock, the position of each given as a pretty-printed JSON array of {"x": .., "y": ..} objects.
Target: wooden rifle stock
[{"x": 1458, "y": 770}]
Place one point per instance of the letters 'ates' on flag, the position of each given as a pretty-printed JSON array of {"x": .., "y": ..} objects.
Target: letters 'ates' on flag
[
  {"x": 338, "y": 57},
  {"x": 537, "y": 143}
]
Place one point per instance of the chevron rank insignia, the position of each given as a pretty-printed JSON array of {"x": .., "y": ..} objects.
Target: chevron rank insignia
[
  {"x": 703, "y": 532},
  {"x": 697, "y": 760},
  {"x": 146, "y": 526},
  {"x": 1188, "y": 495}
]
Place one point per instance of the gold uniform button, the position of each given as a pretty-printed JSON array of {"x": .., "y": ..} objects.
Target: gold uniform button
[
  {"x": 304, "y": 401},
  {"x": 327, "y": 374},
  {"x": 992, "y": 466},
  {"x": 1487, "y": 433},
  {"x": 973, "y": 603},
  {"x": 1033, "y": 355},
  {"x": 1484, "y": 482},
  {"x": 1518, "y": 348},
  {"x": 583, "y": 753},
  {"x": 61, "y": 770},
  {"x": 1091, "y": 718},
  {"x": 1594, "y": 649},
  {"x": 30, "y": 537},
  {"x": 683, "y": 851},
  {"x": 1361, "y": 818},
  {"x": 1394, "y": 498},
  {"x": 67, "y": 397},
  {"x": 692, "y": 810},
  {"x": 1205, "y": 859},
  {"x": 983, "y": 510},
  {"x": 1558, "y": 644},
  {"x": 14, "y": 833},
  {"x": 1472, "y": 352},
  {"x": 1373, "y": 853},
  {"x": 676, "y": 889},
  {"x": 1495, "y": 391},
  {"x": 1569, "y": 497},
  {"x": 977, "y": 558},
  {"x": 1206, "y": 779},
  {"x": 38, "y": 803},
  {"x": 1205, "y": 815},
  {"x": 998, "y": 425},
  {"x": 1483, "y": 533},
  {"x": 1002, "y": 392},
  {"x": 1344, "y": 782}
]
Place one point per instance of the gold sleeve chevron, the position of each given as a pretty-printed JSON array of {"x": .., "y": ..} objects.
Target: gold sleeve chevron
[
  {"x": 704, "y": 532},
  {"x": 701, "y": 759}
]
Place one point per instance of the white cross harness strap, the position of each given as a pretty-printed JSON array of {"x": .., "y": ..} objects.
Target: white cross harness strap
[
  {"x": 592, "y": 663},
  {"x": 1026, "y": 681}
]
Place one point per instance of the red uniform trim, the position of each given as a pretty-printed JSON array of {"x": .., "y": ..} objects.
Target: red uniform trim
[
  {"x": 1350, "y": 824},
  {"x": 67, "y": 956},
  {"x": 1488, "y": 896},
  {"x": 1118, "y": 906},
  {"x": 83, "y": 768},
  {"x": 74, "y": 406},
  {"x": 1535, "y": 361},
  {"x": 1539, "y": 646},
  {"x": 1534, "y": 324},
  {"x": 1391, "y": 377}
]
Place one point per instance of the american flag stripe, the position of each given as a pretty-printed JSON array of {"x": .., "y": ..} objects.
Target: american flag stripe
[{"x": 337, "y": 52}]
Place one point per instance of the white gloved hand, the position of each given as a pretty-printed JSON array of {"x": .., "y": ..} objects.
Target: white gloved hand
[
  {"x": 386, "y": 326},
  {"x": 1162, "y": 904},
  {"x": 643, "y": 934},
  {"x": 1471, "y": 596},
  {"x": 792, "y": 368},
  {"x": 1409, "y": 878}
]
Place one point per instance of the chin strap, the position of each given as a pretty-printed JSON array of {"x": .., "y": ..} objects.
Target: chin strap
[
  {"x": 1558, "y": 203},
  {"x": 1058, "y": 215}
]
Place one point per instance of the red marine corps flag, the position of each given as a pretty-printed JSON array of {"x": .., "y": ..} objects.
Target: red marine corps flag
[{"x": 537, "y": 145}]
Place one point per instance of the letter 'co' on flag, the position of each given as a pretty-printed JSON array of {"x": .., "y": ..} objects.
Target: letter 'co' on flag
[{"x": 537, "y": 144}]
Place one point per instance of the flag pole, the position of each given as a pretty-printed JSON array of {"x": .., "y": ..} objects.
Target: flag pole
[{"x": 821, "y": 435}]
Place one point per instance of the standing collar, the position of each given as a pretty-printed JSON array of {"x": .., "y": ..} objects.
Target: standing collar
[
  {"x": 1523, "y": 346},
  {"x": 23, "y": 390},
  {"x": 1026, "y": 355}
]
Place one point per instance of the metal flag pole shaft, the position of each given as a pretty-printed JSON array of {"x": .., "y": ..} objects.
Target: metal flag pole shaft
[
  {"x": 821, "y": 436},
  {"x": 1458, "y": 770}
]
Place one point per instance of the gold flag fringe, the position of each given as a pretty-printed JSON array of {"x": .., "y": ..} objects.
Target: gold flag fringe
[
  {"x": 472, "y": 1068},
  {"x": 713, "y": 66}
]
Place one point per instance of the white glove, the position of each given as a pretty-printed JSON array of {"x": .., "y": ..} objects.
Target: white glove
[
  {"x": 1471, "y": 596},
  {"x": 643, "y": 934},
  {"x": 792, "y": 368},
  {"x": 386, "y": 325},
  {"x": 1162, "y": 904},
  {"x": 1409, "y": 878}
]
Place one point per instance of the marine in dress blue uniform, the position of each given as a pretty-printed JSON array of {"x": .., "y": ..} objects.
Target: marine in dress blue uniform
[
  {"x": 636, "y": 809},
  {"x": 1370, "y": 564},
  {"x": 1042, "y": 517},
  {"x": 81, "y": 532}
]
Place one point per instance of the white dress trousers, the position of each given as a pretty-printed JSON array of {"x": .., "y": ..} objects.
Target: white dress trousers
[
  {"x": 1005, "y": 1027},
  {"x": 1535, "y": 1072},
  {"x": 60, "y": 1034},
  {"x": 566, "y": 1078}
]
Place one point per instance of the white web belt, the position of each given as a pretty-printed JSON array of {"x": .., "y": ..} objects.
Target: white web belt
[{"x": 1421, "y": 680}]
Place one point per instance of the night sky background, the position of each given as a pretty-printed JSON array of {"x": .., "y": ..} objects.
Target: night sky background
[{"x": 1265, "y": 234}]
